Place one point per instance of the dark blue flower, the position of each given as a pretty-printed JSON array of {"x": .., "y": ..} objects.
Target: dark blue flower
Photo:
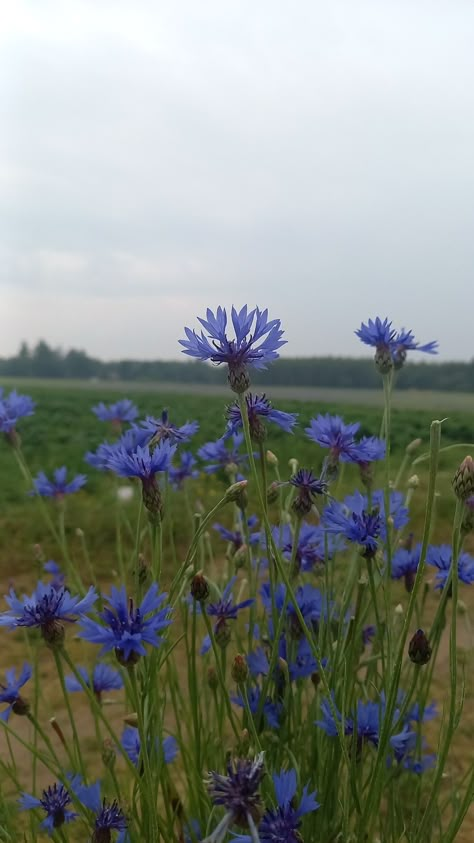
[
  {"x": 405, "y": 341},
  {"x": 236, "y": 537},
  {"x": 253, "y": 346},
  {"x": 399, "y": 513},
  {"x": 220, "y": 456},
  {"x": 238, "y": 793},
  {"x": 365, "y": 723},
  {"x": 311, "y": 603},
  {"x": 143, "y": 462},
  {"x": 12, "y": 408},
  {"x": 128, "y": 443},
  {"x": 10, "y": 693},
  {"x": 224, "y": 610},
  {"x": 185, "y": 469},
  {"x": 163, "y": 429},
  {"x": 282, "y": 823},
  {"x": 108, "y": 816},
  {"x": 362, "y": 528},
  {"x": 391, "y": 346},
  {"x": 271, "y": 711},
  {"x": 55, "y": 801},
  {"x": 122, "y": 411},
  {"x": 47, "y": 609},
  {"x": 104, "y": 678},
  {"x": 57, "y": 577},
  {"x": 441, "y": 558},
  {"x": 333, "y": 433},
  {"x": 132, "y": 745},
  {"x": 315, "y": 546},
  {"x": 58, "y": 487},
  {"x": 308, "y": 488},
  {"x": 378, "y": 334},
  {"x": 405, "y": 564},
  {"x": 259, "y": 410},
  {"x": 128, "y": 628}
]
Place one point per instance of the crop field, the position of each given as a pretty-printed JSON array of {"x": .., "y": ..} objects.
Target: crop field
[{"x": 99, "y": 520}]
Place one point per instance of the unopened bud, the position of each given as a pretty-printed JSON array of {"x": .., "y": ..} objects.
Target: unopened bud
[
  {"x": 419, "y": 650},
  {"x": 413, "y": 446},
  {"x": 240, "y": 557},
  {"x": 79, "y": 533},
  {"x": 108, "y": 754},
  {"x": 239, "y": 670},
  {"x": 367, "y": 474},
  {"x": 212, "y": 680},
  {"x": 462, "y": 608},
  {"x": 272, "y": 459},
  {"x": 21, "y": 707},
  {"x": 413, "y": 481},
  {"x": 199, "y": 587},
  {"x": 399, "y": 610},
  {"x": 152, "y": 498},
  {"x": 463, "y": 480},
  {"x": 273, "y": 492},
  {"x": 316, "y": 679},
  {"x": 223, "y": 634},
  {"x": 131, "y": 719},
  {"x": 237, "y": 493}
]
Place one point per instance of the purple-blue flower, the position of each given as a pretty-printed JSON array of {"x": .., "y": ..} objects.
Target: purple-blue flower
[
  {"x": 224, "y": 610},
  {"x": 377, "y": 333},
  {"x": 282, "y": 823},
  {"x": 399, "y": 513},
  {"x": 132, "y": 745},
  {"x": 55, "y": 802},
  {"x": 10, "y": 693},
  {"x": 314, "y": 547},
  {"x": 256, "y": 342},
  {"x": 220, "y": 456},
  {"x": 47, "y": 609},
  {"x": 128, "y": 443},
  {"x": 126, "y": 628},
  {"x": 441, "y": 558},
  {"x": 259, "y": 410},
  {"x": 405, "y": 341},
  {"x": 391, "y": 346},
  {"x": 58, "y": 487},
  {"x": 238, "y": 792},
  {"x": 12, "y": 408},
  {"x": 163, "y": 429},
  {"x": 366, "y": 723},
  {"x": 362, "y": 528},
  {"x": 308, "y": 488},
  {"x": 122, "y": 411},
  {"x": 185, "y": 470},
  {"x": 333, "y": 433},
  {"x": 104, "y": 678},
  {"x": 108, "y": 815},
  {"x": 57, "y": 577},
  {"x": 143, "y": 462},
  {"x": 271, "y": 711},
  {"x": 236, "y": 537},
  {"x": 405, "y": 564}
]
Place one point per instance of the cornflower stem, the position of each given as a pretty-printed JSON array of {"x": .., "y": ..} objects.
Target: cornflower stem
[
  {"x": 177, "y": 581},
  {"x": 378, "y": 619},
  {"x": 28, "y": 477},
  {"x": 375, "y": 783},
  {"x": 453, "y": 713},
  {"x": 38, "y": 729},
  {"x": 71, "y": 569},
  {"x": 220, "y": 674},
  {"x": 156, "y": 547},
  {"x": 77, "y": 745},
  {"x": 148, "y": 799},
  {"x": 387, "y": 585},
  {"x": 193, "y": 690}
]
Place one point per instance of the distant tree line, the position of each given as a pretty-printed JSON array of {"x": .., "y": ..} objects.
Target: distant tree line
[{"x": 42, "y": 361}]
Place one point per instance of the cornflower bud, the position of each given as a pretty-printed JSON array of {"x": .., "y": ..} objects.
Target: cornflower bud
[
  {"x": 413, "y": 446},
  {"x": 463, "y": 480},
  {"x": 239, "y": 670},
  {"x": 223, "y": 634},
  {"x": 273, "y": 493},
  {"x": 272, "y": 459},
  {"x": 413, "y": 481},
  {"x": 419, "y": 650},
  {"x": 212, "y": 680},
  {"x": 237, "y": 493},
  {"x": 240, "y": 557},
  {"x": 199, "y": 587},
  {"x": 108, "y": 754}
]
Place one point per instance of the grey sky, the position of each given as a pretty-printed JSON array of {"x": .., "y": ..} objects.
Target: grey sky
[{"x": 157, "y": 158}]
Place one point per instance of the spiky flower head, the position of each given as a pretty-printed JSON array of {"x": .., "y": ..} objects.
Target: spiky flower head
[
  {"x": 103, "y": 678},
  {"x": 48, "y": 609},
  {"x": 259, "y": 410},
  {"x": 145, "y": 463},
  {"x": 126, "y": 628},
  {"x": 131, "y": 745},
  {"x": 256, "y": 342},
  {"x": 14, "y": 407},
  {"x": 55, "y": 801},
  {"x": 10, "y": 693},
  {"x": 122, "y": 411},
  {"x": 58, "y": 487},
  {"x": 390, "y": 347},
  {"x": 463, "y": 480},
  {"x": 362, "y": 528},
  {"x": 308, "y": 487},
  {"x": 282, "y": 823},
  {"x": 186, "y": 469},
  {"x": 440, "y": 557},
  {"x": 108, "y": 816},
  {"x": 163, "y": 429},
  {"x": 238, "y": 791}
]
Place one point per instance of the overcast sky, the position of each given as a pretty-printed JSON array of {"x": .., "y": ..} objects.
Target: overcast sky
[{"x": 157, "y": 158}]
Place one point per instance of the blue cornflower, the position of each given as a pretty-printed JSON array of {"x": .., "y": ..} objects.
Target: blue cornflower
[
  {"x": 162, "y": 429},
  {"x": 238, "y": 793},
  {"x": 311, "y": 603},
  {"x": 365, "y": 723},
  {"x": 405, "y": 563},
  {"x": 391, "y": 347},
  {"x": 132, "y": 745},
  {"x": 224, "y": 610},
  {"x": 145, "y": 463},
  {"x": 271, "y": 711},
  {"x": 127, "y": 629},
  {"x": 405, "y": 341},
  {"x": 259, "y": 410},
  {"x": 54, "y": 802},
  {"x": 133, "y": 438},
  {"x": 378, "y": 334},
  {"x": 58, "y": 487},
  {"x": 399, "y": 514},
  {"x": 12, "y": 408},
  {"x": 301, "y": 662},
  {"x": 313, "y": 548},
  {"x": 47, "y": 609},
  {"x": 185, "y": 469},
  {"x": 122, "y": 411},
  {"x": 104, "y": 678},
  {"x": 362, "y": 528},
  {"x": 57, "y": 577},
  {"x": 221, "y": 457},
  {"x": 333, "y": 433},
  {"x": 108, "y": 816},
  {"x": 308, "y": 487},
  {"x": 282, "y": 824},
  {"x": 247, "y": 349},
  {"x": 10, "y": 693},
  {"x": 236, "y": 537},
  {"x": 441, "y": 558}
]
